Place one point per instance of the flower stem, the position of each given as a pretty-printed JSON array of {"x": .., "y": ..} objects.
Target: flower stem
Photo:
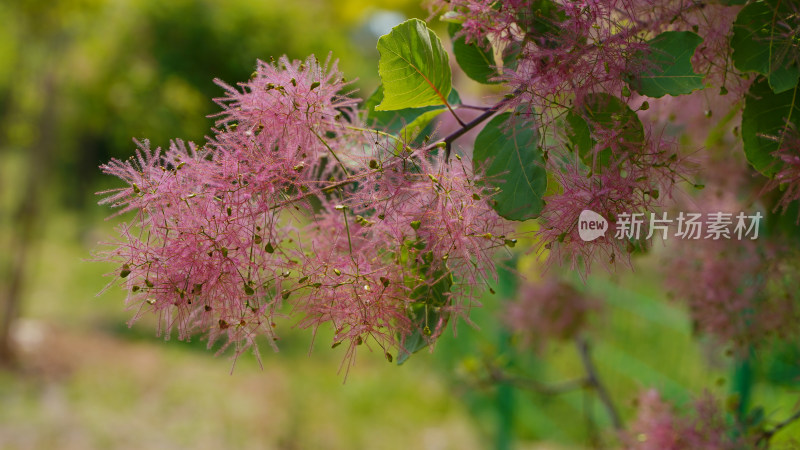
[
  {"x": 448, "y": 140},
  {"x": 593, "y": 380}
]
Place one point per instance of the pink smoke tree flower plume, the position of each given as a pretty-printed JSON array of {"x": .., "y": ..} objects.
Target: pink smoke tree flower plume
[{"x": 370, "y": 217}]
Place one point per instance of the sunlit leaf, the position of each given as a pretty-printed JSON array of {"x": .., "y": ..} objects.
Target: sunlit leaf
[
  {"x": 413, "y": 66},
  {"x": 508, "y": 156}
]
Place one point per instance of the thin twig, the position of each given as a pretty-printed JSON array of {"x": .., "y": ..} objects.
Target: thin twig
[
  {"x": 475, "y": 107},
  {"x": 353, "y": 178},
  {"x": 497, "y": 375},
  {"x": 593, "y": 380},
  {"x": 448, "y": 140},
  {"x": 346, "y": 172},
  {"x": 767, "y": 435},
  {"x": 458, "y": 119}
]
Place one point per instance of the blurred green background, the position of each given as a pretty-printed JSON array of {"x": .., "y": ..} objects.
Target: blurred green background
[{"x": 78, "y": 80}]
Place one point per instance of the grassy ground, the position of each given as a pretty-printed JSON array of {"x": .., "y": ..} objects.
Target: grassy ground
[{"x": 89, "y": 381}]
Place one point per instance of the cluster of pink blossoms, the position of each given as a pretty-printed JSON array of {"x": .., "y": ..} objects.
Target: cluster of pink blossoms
[
  {"x": 658, "y": 427},
  {"x": 738, "y": 291},
  {"x": 291, "y": 203},
  {"x": 548, "y": 309},
  {"x": 787, "y": 177},
  {"x": 578, "y": 56},
  {"x": 630, "y": 180},
  {"x": 560, "y": 52}
]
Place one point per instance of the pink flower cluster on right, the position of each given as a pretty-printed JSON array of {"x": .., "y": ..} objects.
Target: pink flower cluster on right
[
  {"x": 548, "y": 309},
  {"x": 657, "y": 426}
]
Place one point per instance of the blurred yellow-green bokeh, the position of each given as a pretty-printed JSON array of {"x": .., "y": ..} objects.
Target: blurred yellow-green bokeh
[{"x": 79, "y": 79}]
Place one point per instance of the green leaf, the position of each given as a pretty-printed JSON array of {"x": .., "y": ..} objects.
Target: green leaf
[
  {"x": 765, "y": 122},
  {"x": 541, "y": 22},
  {"x": 668, "y": 66},
  {"x": 394, "y": 121},
  {"x": 580, "y": 135},
  {"x": 783, "y": 224},
  {"x": 413, "y": 66},
  {"x": 604, "y": 112},
  {"x": 425, "y": 311},
  {"x": 473, "y": 59},
  {"x": 410, "y": 132},
  {"x": 609, "y": 112},
  {"x": 509, "y": 153},
  {"x": 762, "y": 42}
]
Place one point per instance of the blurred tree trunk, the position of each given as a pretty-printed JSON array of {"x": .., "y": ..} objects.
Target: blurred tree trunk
[{"x": 26, "y": 220}]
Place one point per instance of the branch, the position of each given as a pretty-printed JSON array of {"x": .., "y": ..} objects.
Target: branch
[
  {"x": 458, "y": 119},
  {"x": 768, "y": 434},
  {"x": 350, "y": 179},
  {"x": 448, "y": 140},
  {"x": 593, "y": 380},
  {"x": 475, "y": 107},
  {"x": 497, "y": 375}
]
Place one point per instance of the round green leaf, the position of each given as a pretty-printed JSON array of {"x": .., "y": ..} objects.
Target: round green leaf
[
  {"x": 425, "y": 313},
  {"x": 508, "y": 153},
  {"x": 765, "y": 122},
  {"x": 761, "y": 43},
  {"x": 668, "y": 66},
  {"x": 476, "y": 61},
  {"x": 541, "y": 22},
  {"x": 606, "y": 112},
  {"x": 413, "y": 66},
  {"x": 579, "y": 134}
]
